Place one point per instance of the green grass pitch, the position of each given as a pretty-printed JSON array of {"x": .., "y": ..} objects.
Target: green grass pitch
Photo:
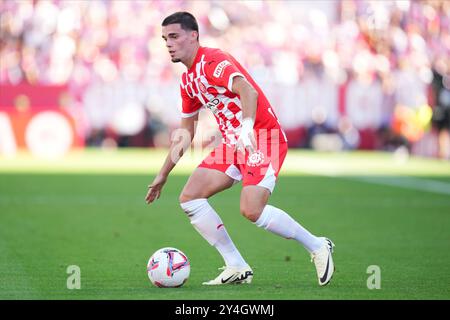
[{"x": 88, "y": 210}]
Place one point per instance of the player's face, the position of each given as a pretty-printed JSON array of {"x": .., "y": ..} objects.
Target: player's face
[{"x": 179, "y": 42}]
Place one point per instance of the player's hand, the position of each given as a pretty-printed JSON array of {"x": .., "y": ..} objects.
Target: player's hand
[
  {"x": 246, "y": 140},
  {"x": 154, "y": 189}
]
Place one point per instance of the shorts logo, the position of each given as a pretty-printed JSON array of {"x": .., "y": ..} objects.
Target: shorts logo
[
  {"x": 220, "y": 68},
  {"x": 255, "y": 159}
]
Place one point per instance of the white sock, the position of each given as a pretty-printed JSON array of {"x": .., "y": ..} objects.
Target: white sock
[
  {"x": 279, "y": 222},
  {"x": 208, "y": 223}
]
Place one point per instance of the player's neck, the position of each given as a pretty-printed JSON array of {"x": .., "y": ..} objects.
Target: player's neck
[{"x": 191, "y": 60}]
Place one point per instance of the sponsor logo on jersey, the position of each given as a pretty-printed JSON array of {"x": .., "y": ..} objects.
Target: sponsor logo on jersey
[
  {"x": 212, "y": 105},
  {"x": 220, "y": 68}
]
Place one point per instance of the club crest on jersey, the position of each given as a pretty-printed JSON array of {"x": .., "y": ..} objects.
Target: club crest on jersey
[
  {"x": 202, "y": 87},
  {"x": 220, "y": 67},
  {"x": 255, "y": 159}
]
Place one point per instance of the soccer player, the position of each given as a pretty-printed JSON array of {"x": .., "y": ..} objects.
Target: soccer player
[{"x": 253, "y": 149}]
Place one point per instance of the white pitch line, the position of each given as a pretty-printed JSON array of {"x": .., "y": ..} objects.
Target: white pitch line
[{"x": 406, "y": 182}]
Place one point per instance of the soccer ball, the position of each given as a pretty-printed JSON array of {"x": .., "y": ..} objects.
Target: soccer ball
[{"x": 168, "y": 267}]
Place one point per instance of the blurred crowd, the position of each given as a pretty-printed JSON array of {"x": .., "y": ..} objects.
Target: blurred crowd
[{"x": 340, "y": 74}]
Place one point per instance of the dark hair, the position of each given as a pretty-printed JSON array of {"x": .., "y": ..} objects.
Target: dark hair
[{"x": 185, "y": 19}]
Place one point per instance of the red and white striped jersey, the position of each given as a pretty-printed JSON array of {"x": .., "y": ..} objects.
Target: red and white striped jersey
[{"x": 208, "y": 84}]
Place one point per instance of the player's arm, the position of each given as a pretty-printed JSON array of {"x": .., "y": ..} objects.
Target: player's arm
[
  {"x": 182, "y": 139},
  {"x": 249, "y": 101}
]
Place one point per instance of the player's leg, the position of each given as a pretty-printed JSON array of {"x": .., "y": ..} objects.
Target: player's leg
[
  {"x": 216, "y": 173},
  {"x": 259, "y": 182},
  {"x": 254, "y": 207},
  {"x": 202, "y": 184}
]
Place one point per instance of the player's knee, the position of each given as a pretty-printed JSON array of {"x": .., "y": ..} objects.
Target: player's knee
[
  {"x": 250, "y": 212},
  {"x": 186, "y": 196}
]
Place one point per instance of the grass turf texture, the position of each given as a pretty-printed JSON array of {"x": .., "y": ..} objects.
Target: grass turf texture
[{"x": 88, "y": 210}]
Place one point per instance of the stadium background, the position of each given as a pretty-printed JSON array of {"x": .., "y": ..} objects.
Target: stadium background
[
  {"x": 349, "y": 80},
  {"x": 342, "y": 75}
]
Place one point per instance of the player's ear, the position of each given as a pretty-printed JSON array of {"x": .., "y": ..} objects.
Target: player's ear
[{"x": 194, "y": 35}]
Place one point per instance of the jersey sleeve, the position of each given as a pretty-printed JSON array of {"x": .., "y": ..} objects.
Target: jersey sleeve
[
  {"x": 189, "y": 106},
  {"x": 220, "y": 70}
]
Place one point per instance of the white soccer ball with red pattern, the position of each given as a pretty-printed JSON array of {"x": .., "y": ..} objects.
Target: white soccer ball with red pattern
[{"x": 168, "y": 268}]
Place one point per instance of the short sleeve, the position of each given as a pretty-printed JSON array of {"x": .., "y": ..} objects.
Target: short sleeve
[
  {"x": 220, "y": 70},
  {"x": 189, "y": 106}
]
